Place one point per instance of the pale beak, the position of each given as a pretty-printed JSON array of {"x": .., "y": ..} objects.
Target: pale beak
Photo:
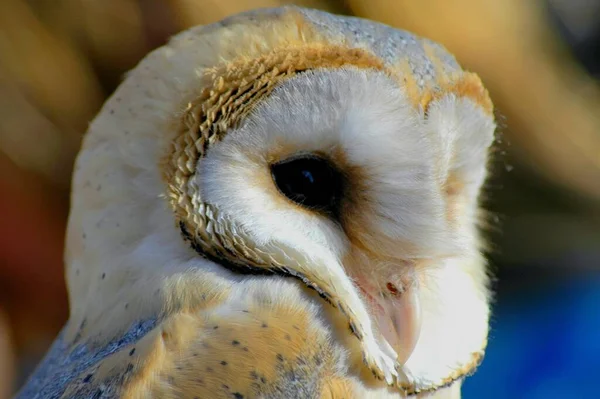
[{"x": 396, "y": 311}]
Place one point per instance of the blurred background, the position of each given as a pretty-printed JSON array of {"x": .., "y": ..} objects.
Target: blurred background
[{"x": 60, "y": 59}]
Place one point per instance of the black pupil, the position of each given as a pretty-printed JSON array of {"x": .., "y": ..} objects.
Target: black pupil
[{"x": 309, "y": 181}]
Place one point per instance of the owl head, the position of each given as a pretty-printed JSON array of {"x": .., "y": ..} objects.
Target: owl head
[{"x": 323, "y": 158}]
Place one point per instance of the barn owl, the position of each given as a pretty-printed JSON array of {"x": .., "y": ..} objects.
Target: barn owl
[{"x": 283, "y": 204}]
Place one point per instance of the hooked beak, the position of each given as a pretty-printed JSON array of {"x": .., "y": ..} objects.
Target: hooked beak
[{"x": 396, "y": 312}]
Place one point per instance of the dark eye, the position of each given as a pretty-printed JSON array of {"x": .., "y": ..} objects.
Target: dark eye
[{"x": 309, "y": 181}]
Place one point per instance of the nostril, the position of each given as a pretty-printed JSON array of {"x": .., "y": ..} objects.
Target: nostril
[{"x": 392, "y": 289}]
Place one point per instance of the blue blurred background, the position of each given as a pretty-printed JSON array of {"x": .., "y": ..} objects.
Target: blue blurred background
[
  {"x": 60, "y": 59},
  {"x": 544, "y": 342}
]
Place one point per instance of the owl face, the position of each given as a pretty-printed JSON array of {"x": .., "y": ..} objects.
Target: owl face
[
  {"x": 281, "y": 154},
  {"x": 344, "y": 176},
  {"x": 339, "y": 167}
]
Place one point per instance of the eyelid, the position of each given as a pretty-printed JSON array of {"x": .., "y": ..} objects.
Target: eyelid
[{"x": 303, "y": 155}]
